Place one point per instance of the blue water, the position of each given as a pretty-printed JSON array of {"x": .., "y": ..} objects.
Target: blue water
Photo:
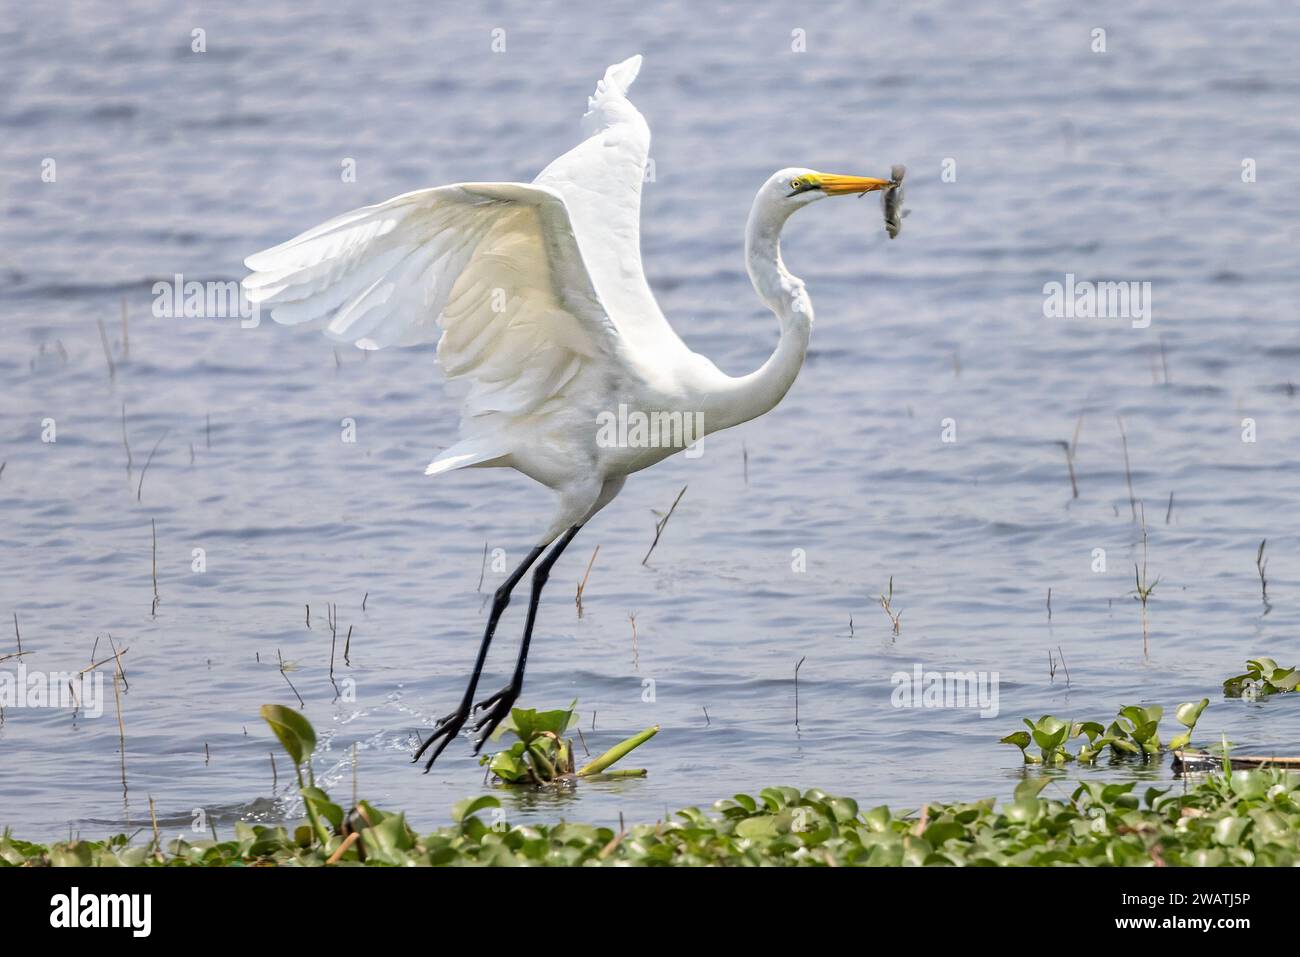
[{"x": 1122, "y": 165}]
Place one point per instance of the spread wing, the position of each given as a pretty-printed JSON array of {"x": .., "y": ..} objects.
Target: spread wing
[
  {"x": 491, "y": 270},
  {"x": 600, "y": 180}
]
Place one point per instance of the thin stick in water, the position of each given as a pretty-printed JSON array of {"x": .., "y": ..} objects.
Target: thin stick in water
[
  {"x": 1128, "y": 472},
  {"x": 153, "y": 531},
  {"x": 301, "y": 704},
  {"x": 126, "y": 444},
  {"x": 121, "y": 728},
  {"x": 108, "y": 352},
  {"x": 659, "y": 525},
  {"x": 636, "y": 660},
  {"x": 140, "y": 488},
  {"x": 153, "y": 817},
  {"x": 582, "y": 585},
  {"x": 796, "y": 689},
  {"x": 1261, "y": 565}
]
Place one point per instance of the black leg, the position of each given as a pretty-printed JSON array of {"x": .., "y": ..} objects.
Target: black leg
[
  {"x": 499, "y": 705},
  {"x": 449, "y": 725}
]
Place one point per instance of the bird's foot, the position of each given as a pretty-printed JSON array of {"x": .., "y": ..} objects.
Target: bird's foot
[
  {"x": 444, "y": 732},
  {"x": 494, "y": 710}
]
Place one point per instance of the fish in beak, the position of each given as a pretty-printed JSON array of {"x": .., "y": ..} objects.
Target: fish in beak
[{"x": 891, "y": 200}]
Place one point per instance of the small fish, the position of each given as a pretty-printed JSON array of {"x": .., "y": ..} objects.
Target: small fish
[{"x": 891, "y": 200}]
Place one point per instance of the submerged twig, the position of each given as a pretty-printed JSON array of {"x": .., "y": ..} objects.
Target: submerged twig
[
  {"x": 126, "y": 444},
  {"x": 1070, "y": 448},
  {"x": 140, "y": 488},
  {"x": 284, "y": 674},
  {"x": 582, "y": 585},
  {"x": 153, "y": 532},
  {"x": 1144, "y": 590},
  {"x": 108, "y": 351},
  {"x": 636, "y": 658},
  {"x": 659, "y": 525},
  {"x": 796, "y": 689},
  {"x": 886, "y": 602},
  {"x": 1128, "y": 473},
  {"x": 1261, "y": 565}
]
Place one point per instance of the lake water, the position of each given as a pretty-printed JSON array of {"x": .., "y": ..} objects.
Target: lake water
[{"x": 1122, "y": 165}]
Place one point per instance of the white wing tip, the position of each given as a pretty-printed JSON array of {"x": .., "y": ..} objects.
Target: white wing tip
[{"x": 617, "y": 80}]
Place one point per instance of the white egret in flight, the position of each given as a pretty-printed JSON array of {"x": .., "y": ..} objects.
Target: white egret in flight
[{"x": 537, "y": 299}]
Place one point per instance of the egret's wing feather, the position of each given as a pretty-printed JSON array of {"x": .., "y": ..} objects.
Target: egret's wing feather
[
  {"x": 600, "y": 180},
  {"x": 491, "y": 270}
]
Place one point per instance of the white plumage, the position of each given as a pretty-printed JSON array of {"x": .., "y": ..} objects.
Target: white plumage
[{"x": 537, "y": 298}]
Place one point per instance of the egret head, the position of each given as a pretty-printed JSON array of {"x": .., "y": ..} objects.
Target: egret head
[{"x": 796, "y": 187}]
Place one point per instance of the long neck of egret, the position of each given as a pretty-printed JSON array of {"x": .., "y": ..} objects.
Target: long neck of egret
[{"x": 750, "y": 396}]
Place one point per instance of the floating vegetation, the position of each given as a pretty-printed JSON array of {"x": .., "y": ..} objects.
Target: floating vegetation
[
  {"x": 1262, "y": 677},
  {"x": 1241, "y": 819},
  {"x": 1135, "y": 730},
  {"x": 542, "y": 756}
]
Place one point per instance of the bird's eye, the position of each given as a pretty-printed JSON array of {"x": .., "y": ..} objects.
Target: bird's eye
[{"x": 795, "y": 184}]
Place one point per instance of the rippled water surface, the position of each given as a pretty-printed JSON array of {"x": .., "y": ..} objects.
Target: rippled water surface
[{"x": 1123, "y": 165}]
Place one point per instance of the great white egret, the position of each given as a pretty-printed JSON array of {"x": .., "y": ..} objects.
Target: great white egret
[{"x": 537, "y": 298}]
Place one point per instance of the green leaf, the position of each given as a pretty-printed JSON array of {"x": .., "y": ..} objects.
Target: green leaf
[
  {"x": 941, "y": 831},
  {"x": 320, "y": 803},
  {"x": 1229, "y": 830},
  {"x": 1029, "y": 788},
  {"x": 470, "y": 806},
  {"x": 844, "y": 809},
  {"x": 759, "y": 827},
  {"x": 1285, "y": 679},
  {"x": 618, "y": 752},
  {"x": 1189, "y": 712},
  {"x": 1090, "y": 728},
  {"x": 509, "y": 765},
  {"x": 878, "y": 818},
  {"x": 294, "y": 731}
]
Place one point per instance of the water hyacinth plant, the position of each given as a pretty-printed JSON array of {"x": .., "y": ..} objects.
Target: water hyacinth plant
[
  {"x": 1240, "y": 819},
  {"x": 1135, "y": 730},
  {"x": 542, "y": 756},
  {"x": 1262, "y": 677}
]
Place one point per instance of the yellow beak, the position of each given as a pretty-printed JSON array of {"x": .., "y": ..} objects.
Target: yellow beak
[{"x": 835, "y": 185}]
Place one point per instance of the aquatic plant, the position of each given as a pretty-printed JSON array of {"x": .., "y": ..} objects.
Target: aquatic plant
[
  {"x": 1262, "y": 677},
  {"x": 542, "y": 756},
  {"x": 1135, "y": 730},
  {"x": 1240, "y": 819}
]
